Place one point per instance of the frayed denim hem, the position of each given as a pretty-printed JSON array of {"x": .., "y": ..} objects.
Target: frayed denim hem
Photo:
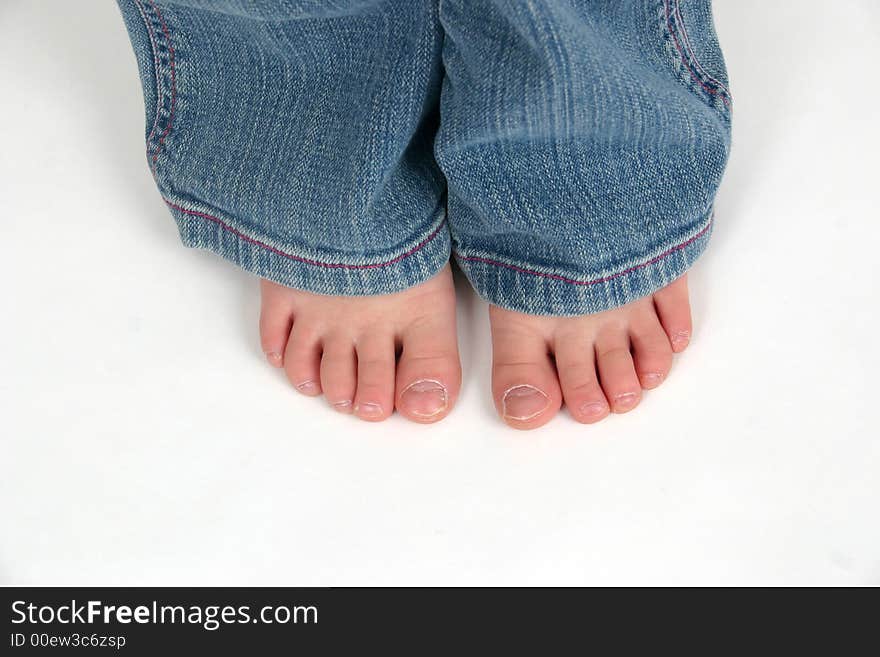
[
  {"x": 337, "y": 274},
  {"x": 544, "y": 291}
]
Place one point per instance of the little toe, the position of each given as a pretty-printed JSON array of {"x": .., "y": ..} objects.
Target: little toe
[
  {"x": 429, "y": 370},
  {"x": 276, "y": 319},
  {"x": 302, "y": 359},
  {"x": 339, "y": 373},
  {"x": 617, "y": 372},
  {"x": 674, "y": 310},
  {"x": 576, "y": 365},
  {"x": 374, "y": 398}
]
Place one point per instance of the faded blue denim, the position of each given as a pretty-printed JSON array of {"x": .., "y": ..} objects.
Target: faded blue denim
[{"x": 567, "y": 152}]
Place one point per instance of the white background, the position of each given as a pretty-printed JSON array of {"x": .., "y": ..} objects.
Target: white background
[{"x": 145, "y": 441}]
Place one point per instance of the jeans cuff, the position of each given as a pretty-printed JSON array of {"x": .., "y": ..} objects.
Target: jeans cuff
[
  {"x": 539, "y": 290},
  {"x": 313, "y": 270}
]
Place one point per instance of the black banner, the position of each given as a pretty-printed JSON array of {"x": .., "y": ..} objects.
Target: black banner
[{"x": 186, "y": 621}]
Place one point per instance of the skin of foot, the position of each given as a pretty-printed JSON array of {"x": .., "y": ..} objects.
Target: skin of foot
[
  {"x": 368, "y": 355},
  {"x": 595, "y": 364}
]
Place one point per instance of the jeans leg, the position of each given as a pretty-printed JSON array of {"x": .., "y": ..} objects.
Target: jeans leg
[
  {"x": 583, "y": 142},
  {"x": 295, "y": 137}
]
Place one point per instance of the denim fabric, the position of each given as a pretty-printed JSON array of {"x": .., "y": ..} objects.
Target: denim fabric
[
  {"x": 295, "y": 138},
  {"x": 581, "y": 155},
  {"x": 568, "y": 150}
]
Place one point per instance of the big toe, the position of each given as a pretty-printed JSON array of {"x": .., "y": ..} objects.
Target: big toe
[
  {"x": 524, "y": 382},
  {"x": 429, "y": 371}
]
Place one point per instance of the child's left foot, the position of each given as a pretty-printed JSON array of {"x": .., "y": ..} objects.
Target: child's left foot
[{"x": 596, "y": 363}]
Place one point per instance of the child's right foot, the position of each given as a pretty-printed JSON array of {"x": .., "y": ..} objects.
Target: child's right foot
[{"x": 348, "y": 348}]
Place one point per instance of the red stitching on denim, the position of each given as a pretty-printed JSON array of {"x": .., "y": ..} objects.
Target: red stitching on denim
[
  {"x": 307, "y": 261},
  {"x": 684, "y": 59},
  {"x": 690, "y": 48},
  {"x": 604, "y": 279},
  {"x": 173, "y": 79},
  {"x": 152, "y": 35}
]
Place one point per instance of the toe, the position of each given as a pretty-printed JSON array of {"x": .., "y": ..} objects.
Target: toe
[
  {"x": 617, "y": 372},
  {"x": 674, "y": 310},
  {"x": 652, "y": 353},
  {"x": 576, "y": 365},
  {"x": 374, "y": 398},
  {"x": 275, "y": 322},
  {"x": 302, "y": 359},
  {"x": 524, "y": 383},
  {"x": 339, "y": 372},
  {"x": 429, "y": 371}
]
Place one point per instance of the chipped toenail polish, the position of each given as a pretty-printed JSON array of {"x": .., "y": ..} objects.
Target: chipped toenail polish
[
  {"x": 626, "y": 400},
  {"x": 307, "y": 387},
  {"x": 343, "y": 406},
  {"x": 593, "y": 409},
  {"x": 680, "y": 340},
  {"x": 524, "y": 402},
  {"x": 652, "y": 379},
  {"x": 368, "y": 410},
  {"x": 424, "y": 398},
  {"x": 274, "y": 358}
]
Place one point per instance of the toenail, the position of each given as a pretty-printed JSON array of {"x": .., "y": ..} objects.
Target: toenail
[
  {"x": 523, "y": 402},
  {"x": 593, "y": 409},
  {"x": 652, "y": 379},
  {"x": 307, "y": 387},
  {"x": 368, "y": 410},
  {"x": 626, "y": 400},
  {"x": 343, "y": 406},
  {"x": 680, "y": 340},
  {"x": 424, "y": 398},
  {"x": 274, "y": 358}
]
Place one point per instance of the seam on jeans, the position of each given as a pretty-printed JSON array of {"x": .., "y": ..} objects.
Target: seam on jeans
[
  {"x": 687, "y": 55},
  {"x": 595, "y": 281},
  {"x": 173, "y": 71},
  {"x": 690, "y": 49},
  {"x": 308, "y": 261},
  {"x": 155, "y": 53}
]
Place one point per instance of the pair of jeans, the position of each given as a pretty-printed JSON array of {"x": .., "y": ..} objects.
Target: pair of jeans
[{"x": 566, "y": 153}]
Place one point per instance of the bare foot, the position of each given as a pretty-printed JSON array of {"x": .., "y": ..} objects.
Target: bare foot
[
  {"x": 596, "y": 363},
  {"x": 368, "y": 355}
]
